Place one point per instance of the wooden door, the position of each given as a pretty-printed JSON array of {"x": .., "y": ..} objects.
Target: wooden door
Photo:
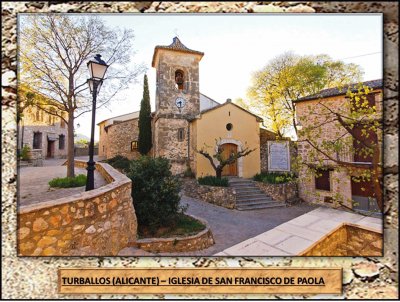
[
  {"x": 229, "y": 170},
  {"x": 50, "y": 149}
]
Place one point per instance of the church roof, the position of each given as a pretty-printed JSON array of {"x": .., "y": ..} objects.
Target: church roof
[
  {"x": 176, "y": 45},
  {"x": 259, "y": 119}
]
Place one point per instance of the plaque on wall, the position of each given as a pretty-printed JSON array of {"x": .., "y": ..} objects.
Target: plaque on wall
[{"x": 278, "y": 156}]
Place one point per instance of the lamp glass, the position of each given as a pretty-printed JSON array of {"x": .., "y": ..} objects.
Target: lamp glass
[
  {"x": 91, "y": 85},
  {"x": 97, "y": 70}
]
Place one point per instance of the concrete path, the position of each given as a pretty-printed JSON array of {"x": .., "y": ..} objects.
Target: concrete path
[
  {"x": 230, "y": 227},
  {"x": 34, "y": 187},
  {"x": 294, "y": 236}
]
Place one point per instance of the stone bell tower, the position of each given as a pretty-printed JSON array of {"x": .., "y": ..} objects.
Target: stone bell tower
[{"x": 177, "y": 101}]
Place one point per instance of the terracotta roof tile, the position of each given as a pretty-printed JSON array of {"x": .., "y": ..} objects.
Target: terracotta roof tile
[
  {"x": 374, "y": 84},
  {"x": 176, "y": 45}
]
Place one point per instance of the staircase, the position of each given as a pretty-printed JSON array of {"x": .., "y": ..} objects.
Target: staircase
[{"x": 250, "y": 197}]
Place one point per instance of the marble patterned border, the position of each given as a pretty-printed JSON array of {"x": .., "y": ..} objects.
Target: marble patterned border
[{"x": 36, "y": 278}]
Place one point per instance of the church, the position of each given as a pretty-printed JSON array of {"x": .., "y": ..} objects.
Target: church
[{"x": 186, "y": 120}]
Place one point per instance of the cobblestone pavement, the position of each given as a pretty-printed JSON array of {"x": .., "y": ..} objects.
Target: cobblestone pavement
[
  {"x": 33, "y": 182},
  {"x": 230, "y": 227}
]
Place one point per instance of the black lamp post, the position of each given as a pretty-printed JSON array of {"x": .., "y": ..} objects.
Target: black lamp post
[{"x": 97, "y": 70}]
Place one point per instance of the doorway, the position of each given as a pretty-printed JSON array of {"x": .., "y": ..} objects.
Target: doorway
[
  {"x": 50, "y": 149},
  {"x": 229, "y": 170}
]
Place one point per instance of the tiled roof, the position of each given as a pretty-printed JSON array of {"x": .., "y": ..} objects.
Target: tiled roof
[
  {"x": 176, "y": 45},
  {"x": 374, "y": 84},
  {"x": 259, "y": 119}
]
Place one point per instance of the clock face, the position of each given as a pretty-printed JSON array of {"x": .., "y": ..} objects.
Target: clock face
[{"x": 180, "y": 102}]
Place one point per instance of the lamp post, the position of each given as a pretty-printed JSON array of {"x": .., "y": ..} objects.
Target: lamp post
[{"x": 97, "y": 70}]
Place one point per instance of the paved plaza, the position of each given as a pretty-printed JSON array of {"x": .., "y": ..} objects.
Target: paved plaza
[{"x": 34, "y": 187}]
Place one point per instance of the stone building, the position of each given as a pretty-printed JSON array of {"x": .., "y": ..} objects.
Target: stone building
[
  {"x": 186, "y": 120},
  {"x": 45, "y": 134},
  {"x": 335, "y": 183}
]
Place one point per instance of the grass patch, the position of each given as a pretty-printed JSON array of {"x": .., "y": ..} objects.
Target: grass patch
[
  {"x": 182, "y": 226},
  {"x": 274, "y": 178},
  {"x": 68, "y": 182},
  {"x": 213, "y": 181}
]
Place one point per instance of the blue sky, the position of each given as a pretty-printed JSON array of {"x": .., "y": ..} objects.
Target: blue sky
[{"x": 237, "y": 45}]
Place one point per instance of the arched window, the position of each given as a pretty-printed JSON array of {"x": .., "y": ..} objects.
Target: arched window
[{"x": 179, "y": 79}]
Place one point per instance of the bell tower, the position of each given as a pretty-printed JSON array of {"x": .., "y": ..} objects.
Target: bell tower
[{"x": 177, "y": 101}]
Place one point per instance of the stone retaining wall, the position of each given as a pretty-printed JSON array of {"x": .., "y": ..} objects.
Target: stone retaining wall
[
  {"x": 220, "y": 196},
  {"x": 348, "y": 240},
  {"x": 197, "y": 242},
  {"x": 100, "y": 222},
  {"x": 279, "y": 192}
]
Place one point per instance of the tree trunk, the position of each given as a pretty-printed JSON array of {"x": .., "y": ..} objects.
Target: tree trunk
[
  {"x": 218, "y": 172},
  {"x": 70, "y": 151}
]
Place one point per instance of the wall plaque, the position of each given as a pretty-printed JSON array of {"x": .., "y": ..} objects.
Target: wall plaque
[{"x": 278, "y": 156}]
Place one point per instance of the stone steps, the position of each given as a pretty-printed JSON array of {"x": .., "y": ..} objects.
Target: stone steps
[
  {"x": 254, "y": 198},
  {"x": 250, "y": 197},
  {"x": 259, "y": 206}
]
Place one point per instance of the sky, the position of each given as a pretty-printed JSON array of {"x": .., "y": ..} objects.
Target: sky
[{"x": 237, "y": 45}]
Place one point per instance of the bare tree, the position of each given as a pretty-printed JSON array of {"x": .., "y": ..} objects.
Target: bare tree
[
  {"x": 218, "y": 161},
  {"x": 54, "y": 49}
]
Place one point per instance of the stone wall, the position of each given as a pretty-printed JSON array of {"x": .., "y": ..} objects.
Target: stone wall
[
  {"x": 220, "y": 196},
  {"x": 348, "y": 240},
  {"x": 100, "y": 222},
  {"x": 84, "y": 151},
  {"x": 200, "y": 241},
  {"x": 119, "y": 138},
  {"x": 279, "y": 192}
]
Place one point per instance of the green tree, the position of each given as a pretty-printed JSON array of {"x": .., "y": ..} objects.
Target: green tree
[
  {"x": 53, "y": 52},
  {"x": 145, "y": 137},
  {"x": 287, "y": 78}
]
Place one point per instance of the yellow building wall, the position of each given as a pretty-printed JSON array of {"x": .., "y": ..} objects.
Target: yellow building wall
[{"x": 245, "y": 132}]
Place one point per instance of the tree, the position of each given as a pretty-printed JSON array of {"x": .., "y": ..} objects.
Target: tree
[
  {"x": 219, "y": 157},
  {"x": 145, "y": 137},
  {"x": 54, "y": 49},
  {"x": 353, "y": 146},
  {"x": 287, "y": 78}
]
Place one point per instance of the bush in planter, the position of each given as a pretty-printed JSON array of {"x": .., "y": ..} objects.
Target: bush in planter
[
  {"x": 274, "y": 177},
  {"x": 155, "y": 192},
  {"x": 25, "y": 153},
  {"x": 213, "y": 181},
  {"x": 119, "y": 162}
]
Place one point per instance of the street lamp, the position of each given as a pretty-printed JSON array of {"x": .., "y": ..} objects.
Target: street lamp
[{"x": 97, "y": 69}]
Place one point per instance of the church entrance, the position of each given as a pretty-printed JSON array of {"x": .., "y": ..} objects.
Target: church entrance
[{"x": 229, "y": 170}]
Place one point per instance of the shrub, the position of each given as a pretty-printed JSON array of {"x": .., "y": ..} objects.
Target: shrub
[
  {"x": 274, "y": 177},
  {"x": 68, "y": 182},
  {"x": 119, "y": 162},
  {"x": 189, "y": 173},
  {"x": 213, "y": 181},
  {"x": 25, "y": 155},
  {"x": 155, "y": 191}
]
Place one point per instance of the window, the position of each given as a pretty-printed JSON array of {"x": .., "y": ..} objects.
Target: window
[
  {"x": 323, "y": 180},
  {"x": 37, "y": 140},
  {"x": 37, "y": 117},
  {"x": 229, "y": 127},
  {"x": 61, "y": 142},
  {"x": 179, "y": 79},
  {"x": 134, "y": 145},
  {"x": 181, "y": 134},
  {"x": 62, "y": 123},
  {"x": 361, "y": 136},
  {"x": 369, "y": 98}
]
